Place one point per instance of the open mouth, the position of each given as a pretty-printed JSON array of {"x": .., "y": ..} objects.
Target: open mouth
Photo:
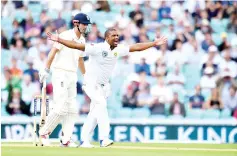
[{"x": 116, "y": 41}]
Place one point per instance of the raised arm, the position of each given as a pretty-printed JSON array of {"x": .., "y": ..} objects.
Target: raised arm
[
  {"x": 143, "y": 46},
  {"x": 70, "y": 44}
]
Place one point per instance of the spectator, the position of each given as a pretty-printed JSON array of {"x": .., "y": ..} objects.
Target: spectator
[
  {"x": 212, "y": 56},
  {"x": 29, "y": 89},
  {"x": 164, "y": 11},
  {"x": 230, "y": 101},
  {"x": 15, "y": 71},
  {"x": 17, "y": 28},
  {"x": 234, "y": 50},
  {"x": 32, "y": 29},
  {"x": 195, "y": 52},
  {"x": 207, "y": 42},
  {"x": 122, "y": 19},
  {"x": 59, "y": 22},
  {"x": 177, "y": 108},
  {"x": 197, "y": 100},
  {"x": 143, "y": 66},
  {"x": 204, "y": 29},
  {"x": 94, "y": 29},
  {"x": 224, "y": 82},
  {"x": 127, "y": 38},
  {"x": 178, "y": 55},
  {"x": 16, "y": 36},
  {"x": 146, "y": 9},
  {"x": 224, "y": 44},
  {"x": 31, "y": 71},
  {"x": 7, "y": 8},
  {"x": 19, "y": 52},
  {"x": 215, "y": 101},
  {"x": 164, "y": 53},
  {"x": 210, "y": 64},
  {"x": 232, "y": 24},
  {"x": 226, "y": 62},
  {"x": 4, "y": 42},
  {"x": 5, "y": 52},
  {"x": 176, "y": 79},
  {"x": 143, "y": 95},
  {"x": 159, "y": 68},
  {"x": 33, "y": 52},
  {"x": 9, "y": 82},
  {"x": 18, "y": 4},
  {"x": 16, "y": 105},
  {"x": 130, "y": 98},
  {"x": 177, "y": 11},
  {"x": 212, "y": 10},
  {"x": 188, "y": 30},
  {"x": 160, "y": 90},
  {"x": 208, "y": 80},
  {"x": 102, "y": 6},
  {"x": 171, "y": 35},
  {"x": 157, "y": 106},
  {"x": 40, "y": 61},
  {"x": 137, "y": 16},
  {"x": 152, "y": 23},
  {"x": 44, "y": 18}
]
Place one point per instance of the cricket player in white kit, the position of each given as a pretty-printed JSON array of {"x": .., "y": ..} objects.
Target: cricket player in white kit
[
  {"x": 102, "y": 60},
  {"x": 64, "y": 79}
]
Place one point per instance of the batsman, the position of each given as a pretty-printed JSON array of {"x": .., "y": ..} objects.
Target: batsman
[{"x": 65, "y": 62}]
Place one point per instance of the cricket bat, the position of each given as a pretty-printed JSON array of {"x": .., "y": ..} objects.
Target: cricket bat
[{"x": 43, "y": 107}]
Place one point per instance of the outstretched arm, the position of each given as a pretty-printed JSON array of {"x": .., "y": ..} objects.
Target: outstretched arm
[
  {"x": 144, "y": 46},
  {"x": 70, "y": 44}
]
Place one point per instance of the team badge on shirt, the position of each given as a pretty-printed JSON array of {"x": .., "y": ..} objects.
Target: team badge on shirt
[
  {"x": 115, "y": 54},
  {"x": 104, "y": 53}
]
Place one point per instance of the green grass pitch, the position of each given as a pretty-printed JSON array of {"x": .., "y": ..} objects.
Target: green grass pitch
[{"x": 122, "y": 149}]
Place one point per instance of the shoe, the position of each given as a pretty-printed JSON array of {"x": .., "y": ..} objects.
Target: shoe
[
  {"x": 106, "y": 143},
  {"x": 45, "y": 140},
  {"x": 86, "y": 145},
  {"x": 70, "y": 143}
]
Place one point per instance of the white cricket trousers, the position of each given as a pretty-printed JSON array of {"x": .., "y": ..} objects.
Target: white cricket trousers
[
  {"x": 65, "y": 108},
  {"x": 98, "y": 112}
]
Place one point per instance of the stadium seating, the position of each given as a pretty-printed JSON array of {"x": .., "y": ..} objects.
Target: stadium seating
[
  {"x": 195, "y": 113},
  {"x": 140, "y": 113},
  {"x": 124, "y": 113},
  {"x": 225, "y": 113},
  {"x": 175, "y": 117},
  {"x": 211, "y": 114},
  {"x": 154, "y": 117}
]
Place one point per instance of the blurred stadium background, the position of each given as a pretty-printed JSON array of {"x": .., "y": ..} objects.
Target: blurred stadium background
[{"x": 183, "y": 91}]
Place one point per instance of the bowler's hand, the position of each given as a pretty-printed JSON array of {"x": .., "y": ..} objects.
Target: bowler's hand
[{"x": 160, "y": 41}]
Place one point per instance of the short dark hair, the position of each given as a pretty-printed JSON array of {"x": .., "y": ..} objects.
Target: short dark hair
[{"x": 107, "y": 32}]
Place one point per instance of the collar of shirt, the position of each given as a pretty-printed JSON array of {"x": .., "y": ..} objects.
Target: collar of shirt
[
  {"x": 107, "y": 45},
  {"x": 74, "y": 36}
]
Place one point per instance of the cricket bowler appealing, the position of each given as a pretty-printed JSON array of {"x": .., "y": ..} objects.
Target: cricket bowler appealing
[
  {"x": 64, "y": 78},
  {"x": 102, "y": 60}
]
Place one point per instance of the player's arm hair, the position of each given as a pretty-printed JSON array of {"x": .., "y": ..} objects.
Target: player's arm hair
[
  {"x": 81, "y": 65},
  {"x": 141, "y": 46},
  {"x": 72, "y": 44},
  {"x": 51, "y": 56}
]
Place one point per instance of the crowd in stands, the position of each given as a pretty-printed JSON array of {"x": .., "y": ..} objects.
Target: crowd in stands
[{"x": 196, "y": 70}]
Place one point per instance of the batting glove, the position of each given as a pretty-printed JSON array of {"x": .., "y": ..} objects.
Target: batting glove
[{"x": 43, "y": 74}]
